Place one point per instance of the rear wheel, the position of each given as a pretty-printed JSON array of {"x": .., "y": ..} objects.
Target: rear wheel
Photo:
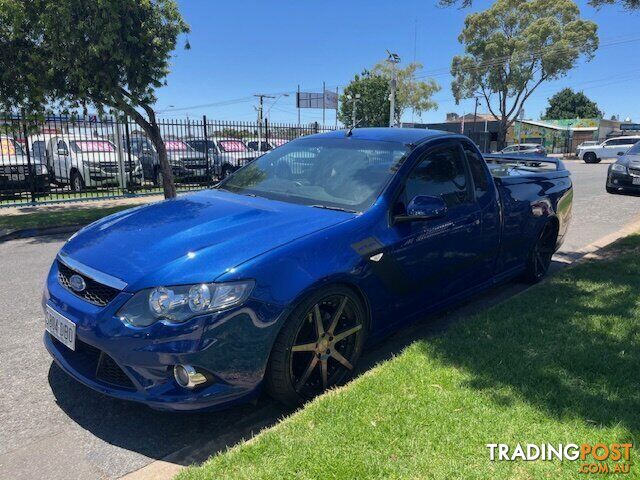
[
  {"x": 318, "y": 347},
  {"x": 77, "y": 183},
  {"x": 541, "y": 254},
  {"x": 590, "y": 157}
]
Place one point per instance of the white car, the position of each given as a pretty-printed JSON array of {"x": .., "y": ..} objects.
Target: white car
[
  {"x": 611, "y": 148},
  {"x": 83, "y": 161},
  {"x": 15, "y": 174}
]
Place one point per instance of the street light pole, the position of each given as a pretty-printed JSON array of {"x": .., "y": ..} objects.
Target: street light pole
[
  {"x": 354, "y": 99},
  {"x": 393, "y": 59}
]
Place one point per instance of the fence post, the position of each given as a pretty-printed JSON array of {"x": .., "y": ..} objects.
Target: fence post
[
  {"x": 30, "y": 168},
  {"x": 206, "y": 148},
  {"x": 128, "y": 147},
  {"x": 120, "y": 148}
]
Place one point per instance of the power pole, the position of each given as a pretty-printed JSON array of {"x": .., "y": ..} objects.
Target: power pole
[
  {"x": 475, "y": 116},
  {"x": 393, "y": 59},
  {"x": 261, "y": 98}
]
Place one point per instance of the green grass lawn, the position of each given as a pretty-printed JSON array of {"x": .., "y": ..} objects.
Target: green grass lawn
[
  {"x": 559, "y": 363},
  {"x": 64, "y": 217}
]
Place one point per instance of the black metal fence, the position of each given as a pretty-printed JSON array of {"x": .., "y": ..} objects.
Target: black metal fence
[{"x": 73, "y": 158}]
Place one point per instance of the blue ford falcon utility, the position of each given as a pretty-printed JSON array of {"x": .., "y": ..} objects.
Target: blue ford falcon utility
[{"x": 279, "y": 276}]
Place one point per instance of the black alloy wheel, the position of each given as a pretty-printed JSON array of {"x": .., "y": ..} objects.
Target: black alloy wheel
[
  {"x": 318, "y": 347},
  {"x": 590, "y": 157},
  {"x": 541, "y": 254}
]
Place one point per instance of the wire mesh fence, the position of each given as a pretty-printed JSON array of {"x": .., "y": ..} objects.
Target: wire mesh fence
[{"x": 75, "y": 158}]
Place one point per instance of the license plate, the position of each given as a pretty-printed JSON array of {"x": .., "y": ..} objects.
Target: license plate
[
  {"x": 635, "y": 181},
  {"x": 60, "y": 327}
]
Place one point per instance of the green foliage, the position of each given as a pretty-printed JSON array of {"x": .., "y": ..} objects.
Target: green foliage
[
  {"x": 103, "y": 52},
  {"x": 372, "y": 108},
  {"x": 569, "y": 104},
  {"x": 373, "y": 86},
  {"x": 77, "y": 53},
  {"x": 514, "y": 46},
  {"x": 626, "y": 4}
]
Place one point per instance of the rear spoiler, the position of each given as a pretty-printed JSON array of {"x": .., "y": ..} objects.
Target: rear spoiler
[{"x": 530, "y": 161}]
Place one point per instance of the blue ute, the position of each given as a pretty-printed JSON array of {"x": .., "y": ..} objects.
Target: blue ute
[{"x": 276, "y": 278}]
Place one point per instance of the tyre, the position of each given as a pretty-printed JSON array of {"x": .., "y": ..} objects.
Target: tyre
[
  {"x": 590, "y": 157},
  {"x": 318, "y": 347},
  {"x": 77, "y": 183},
  {"x": 540, "y": 257}
]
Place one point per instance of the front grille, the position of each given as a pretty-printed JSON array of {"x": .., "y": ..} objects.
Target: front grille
[
  {"x": 109, "y": 372},
  {"x": 93, "y": 362},
  {"x": 95, "y": 292}
]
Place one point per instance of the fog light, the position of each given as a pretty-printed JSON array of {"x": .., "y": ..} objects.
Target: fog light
[{"x": 187, "y": 377}]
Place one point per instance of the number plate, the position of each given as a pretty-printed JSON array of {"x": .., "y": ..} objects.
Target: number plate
[
  {"x": 635, "y": 181},
  {"x": 60, "y": 327}
]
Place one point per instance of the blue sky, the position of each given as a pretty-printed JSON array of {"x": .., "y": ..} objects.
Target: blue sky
[{"x": 241, "y": 48}]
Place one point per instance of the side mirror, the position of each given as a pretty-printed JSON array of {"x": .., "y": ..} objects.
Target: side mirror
[
  {"x": 423, "y": 207},
  {"x": 63, "y": 152}
]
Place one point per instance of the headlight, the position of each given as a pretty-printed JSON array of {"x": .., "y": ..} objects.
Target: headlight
[
  {"x": 616, "y": 167},
  {"x": 180, "y": 303}
]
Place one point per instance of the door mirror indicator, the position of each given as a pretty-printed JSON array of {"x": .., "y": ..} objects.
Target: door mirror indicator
[{"x": 423, "y": 207}]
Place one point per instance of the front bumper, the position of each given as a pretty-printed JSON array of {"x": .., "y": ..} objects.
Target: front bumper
[
  {"x": 11, "y": 183},
  {"x": 136, "y": 364},
  {"x": 622, "y": 181}
]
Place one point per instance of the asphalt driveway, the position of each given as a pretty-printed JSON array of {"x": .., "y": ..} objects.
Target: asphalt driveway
[{"x": 52, "y": 427}]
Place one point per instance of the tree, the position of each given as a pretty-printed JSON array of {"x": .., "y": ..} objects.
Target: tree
[
  {"x": 627, "y": 4},
  {"x": 372, "y": 109},
  {"x": 569, "y": 104},
  {"x": 104, "y": 53},
  {"x": 515, "y": 46},
  {"x": 410, "y": 93}
]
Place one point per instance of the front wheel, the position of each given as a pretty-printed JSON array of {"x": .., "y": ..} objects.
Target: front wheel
[
  {"x": 541, "y": 254},
  {"x": 77, "y": 183},
  {"x": 590, "y": 157},
  {"x": 318, "y": 346}
]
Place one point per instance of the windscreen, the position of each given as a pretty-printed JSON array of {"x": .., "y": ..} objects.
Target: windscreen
[
  {"x": 342, "y": 173},
  {"x": 232, "y": 146},
  {"x": 86, "y": 146}
]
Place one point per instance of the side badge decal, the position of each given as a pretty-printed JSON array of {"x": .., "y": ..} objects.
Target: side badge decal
[{"x": 377, "y": 257}]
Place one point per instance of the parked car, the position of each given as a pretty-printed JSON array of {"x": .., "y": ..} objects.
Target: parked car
[
  {"x": 525, "y": 149},
  {"x": 256, "y": 145},
  {"x": 83, "y": 161},
  {"x": 15, "y": 175},
  {"x": 278, "y": 276},
  {"x": 624, "y": 174},
  {"x": 588, "y": 143},
  {"x": 227, "y": 154},
  {"x": 143, "y": 148},
  {"x": 610, "y": 148}
]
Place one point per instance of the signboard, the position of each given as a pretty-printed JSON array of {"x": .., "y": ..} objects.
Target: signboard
[
  {"x": 316, "y": 100},
  {"x": 633, "y": 127}
]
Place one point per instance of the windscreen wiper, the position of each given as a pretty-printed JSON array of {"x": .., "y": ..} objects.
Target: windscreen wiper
[{"x": 338, "y": 209}]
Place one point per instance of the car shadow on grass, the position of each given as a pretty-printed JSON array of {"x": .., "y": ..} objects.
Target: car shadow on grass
[
  {"x": 571, "y": 348},
  {"x": 187, "y": 438}
]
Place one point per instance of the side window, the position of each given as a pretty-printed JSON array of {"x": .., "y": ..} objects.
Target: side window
[
  {"x": 38, "y": 148},
  {"x": 62, "y": 146},
  {"x": 440, "y": 173},
  {"x": 478, "y": 170}
]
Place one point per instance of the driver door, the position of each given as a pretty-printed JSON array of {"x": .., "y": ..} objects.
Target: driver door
[{"x": 435, "y": 259}]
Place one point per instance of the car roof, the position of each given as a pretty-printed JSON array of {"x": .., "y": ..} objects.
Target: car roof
[
  {"x": 625, "y": 137},
  {"x": 400, "y": 135}
]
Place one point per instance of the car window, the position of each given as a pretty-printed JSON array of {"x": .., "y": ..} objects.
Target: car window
[
  {"x": 635, "y": 150},
  {"x": 62, "y": 146},
  {"x": 441, "y": 173},
  {"x": 478, "y": 170},
  {"x": 39, "y": 148}
]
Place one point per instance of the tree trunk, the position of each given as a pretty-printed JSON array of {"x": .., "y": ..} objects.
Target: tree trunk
[
  {"x": 168, "y": 183},
  {"x": 502, "y": 134}
]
